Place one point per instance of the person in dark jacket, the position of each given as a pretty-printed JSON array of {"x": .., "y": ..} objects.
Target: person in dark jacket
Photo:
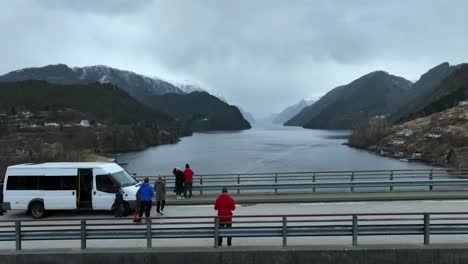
[
  {"x": 119, "y": 203},
  {"x": 188, "y": 177},
  {"x": 225, "y": 205},
  {"x": 160, "y": 188},
  {"x": 179, "y": 182},
  {"x": 146, "y": 196}
]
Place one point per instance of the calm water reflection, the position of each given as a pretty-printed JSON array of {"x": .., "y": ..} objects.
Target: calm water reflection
[{"x": 262, "y": 149}]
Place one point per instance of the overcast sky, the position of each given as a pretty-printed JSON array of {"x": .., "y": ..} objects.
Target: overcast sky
[{"x": 262, "y": 55}]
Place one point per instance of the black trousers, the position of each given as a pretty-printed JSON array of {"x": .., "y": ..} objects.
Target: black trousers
[
  {"x": 145, "y": 206},
  {"x": 160, "y": 205},
  {"x": 188, "y": 187},
  {"x": 220, "y": 238}
]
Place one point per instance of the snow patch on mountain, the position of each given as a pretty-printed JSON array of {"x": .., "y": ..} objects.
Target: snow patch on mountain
[{"x": 190, "y": 87}]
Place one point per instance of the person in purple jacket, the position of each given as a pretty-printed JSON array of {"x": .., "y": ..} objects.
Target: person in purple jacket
[{"x": 146, "y": 196}]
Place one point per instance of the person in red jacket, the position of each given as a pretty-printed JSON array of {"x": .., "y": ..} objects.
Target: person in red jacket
[
  {"x": 225, "y": 205},
  {"x": 188, "y": 177}
]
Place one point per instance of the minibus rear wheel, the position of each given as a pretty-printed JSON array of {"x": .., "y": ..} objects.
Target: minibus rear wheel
[{"x": 37, "y": 210}]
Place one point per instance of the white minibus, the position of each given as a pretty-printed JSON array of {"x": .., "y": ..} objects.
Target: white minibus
[{"x": 65, "y": 186}]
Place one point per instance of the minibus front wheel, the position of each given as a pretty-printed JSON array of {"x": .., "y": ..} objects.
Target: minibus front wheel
[{"x": 37, "y": 210}]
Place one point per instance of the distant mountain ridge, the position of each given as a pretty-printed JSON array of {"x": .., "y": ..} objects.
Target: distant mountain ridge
[
  {"x": 377, "y": 93},
  {"x": 291, "y": 111},
  {"x": 105, "y": 101},
  {"x": 447, "y": 94},
  {"x": 200, "y": 111},
  {"x": 149, "y": 91},
  {"x": 136, "y": 85},
  {"x": 422, "y": 89},
  {"x": 349, "y": 105}
]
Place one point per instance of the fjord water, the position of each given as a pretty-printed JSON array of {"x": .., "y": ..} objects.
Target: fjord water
[{"x": 260, "y": 149}]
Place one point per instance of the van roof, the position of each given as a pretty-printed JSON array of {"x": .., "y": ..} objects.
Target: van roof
[{"x": 63, "y": 165}]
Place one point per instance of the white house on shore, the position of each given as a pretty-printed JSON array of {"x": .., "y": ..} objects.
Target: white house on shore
[
  {"x": 462, "y": 103},
  {"x": 405, "y": 132},
  {"x": 84, "y": 123},
  {"x": 435, "y": 133},
  {"x": 53, "y": 124},
  {"x": 398, "y": 141}
]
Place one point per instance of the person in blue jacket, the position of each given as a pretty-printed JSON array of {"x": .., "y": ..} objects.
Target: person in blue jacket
[{"x": 146, "y": 196}]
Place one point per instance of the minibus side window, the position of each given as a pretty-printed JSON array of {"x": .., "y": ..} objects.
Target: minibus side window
[
  {"x": 57, "y": 183},
  {"x": 49, "y": 183},
  {"x": 22, "y": 183},
  {"x": 68, "y": 182},
  {"x": 104, "y": 183}
]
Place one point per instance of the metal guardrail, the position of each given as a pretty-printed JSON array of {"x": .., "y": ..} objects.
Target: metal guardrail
[
  {"x": 313, "y": 181},
  {"x": 422, "y": 224}
]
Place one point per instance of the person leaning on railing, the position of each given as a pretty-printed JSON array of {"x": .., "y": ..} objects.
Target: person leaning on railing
[
  {"x": 225, "y": 205},
  {"x": 188, "y": 176}
]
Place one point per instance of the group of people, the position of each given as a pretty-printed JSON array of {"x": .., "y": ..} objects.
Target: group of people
[
  {"x": 146, "y": 192},
  {"x": 224, "y": 204},
  {"x": 183, "y": 182}
]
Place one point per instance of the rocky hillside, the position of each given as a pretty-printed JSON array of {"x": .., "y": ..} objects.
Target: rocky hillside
[
  {"x": 440, "y": 138},
  {"x": 40, "y": 121},
  {"x": 348, "y": 106}
]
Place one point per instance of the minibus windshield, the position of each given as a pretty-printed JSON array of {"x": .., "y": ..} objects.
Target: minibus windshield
[{"x": 123, "y": 179}]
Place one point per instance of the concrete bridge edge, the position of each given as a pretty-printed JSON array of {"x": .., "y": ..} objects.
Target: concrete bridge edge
[{"x": 260, "y": 255}]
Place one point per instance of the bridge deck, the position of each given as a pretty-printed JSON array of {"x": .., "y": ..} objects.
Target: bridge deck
[{"x": 326, "y": 197}]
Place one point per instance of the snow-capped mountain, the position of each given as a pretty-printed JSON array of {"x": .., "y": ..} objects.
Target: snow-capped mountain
[
  {"x": 137, "y": 85},
  {"x": 190, "y": 87},
  {"x": 292, "y": 110}
]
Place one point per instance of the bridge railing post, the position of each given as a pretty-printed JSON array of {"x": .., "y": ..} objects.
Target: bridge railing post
[
  {"x": 216, "y": 232},
  {"x": 201, "y": 184},
  {"x": 18, "y": 234},
  {"x": 427, "y": 230},
  {"x": 238, "y": 182},
  {"x": 276, "y": 181},
  {"x": 352, "y": 181},
  {"x": 391, "y": 180},
  {"x": 431, "y": 177},
  {"x": 313, "y": 180},
  {"x": 83, "y": 234},
  {"x": 148, "y": 233},
  {"x": 285, "y": 231},
  {"x": 355, "y": 230}
]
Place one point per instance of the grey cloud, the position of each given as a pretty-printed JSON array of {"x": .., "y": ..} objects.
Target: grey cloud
[
  {"x": 96, "y": 6},
  {"x": 263, "y": 54}
]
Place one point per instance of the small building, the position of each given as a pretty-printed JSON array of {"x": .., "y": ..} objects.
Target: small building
[
  {"x": 26, "y": 114},
  {"x": 405, "y": 132},
  {"x": 416, "y": 156},
  {"x": 84, "y": 123},
  {"x": 436, "y": 132},
  {"x": 398, "y": 141},
  {"x": 462, "y": 103},
  {"x": 399, "y": 154},
  {"x": 51, "y": 124}
]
